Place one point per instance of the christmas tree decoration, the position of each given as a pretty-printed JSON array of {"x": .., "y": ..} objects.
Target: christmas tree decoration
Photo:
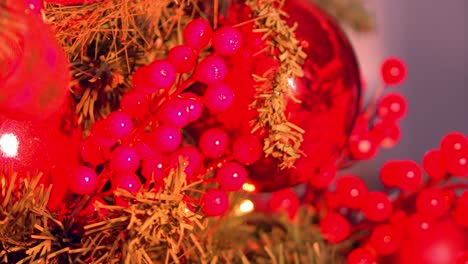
[
  {"x": 30, "y": 52},
  {"x": 323, "y": 101}
]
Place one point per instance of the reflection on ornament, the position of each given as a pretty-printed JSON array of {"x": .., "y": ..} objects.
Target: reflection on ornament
[
  {"x": 9, "y": 145},
  {"x": 329, "y": 93}
]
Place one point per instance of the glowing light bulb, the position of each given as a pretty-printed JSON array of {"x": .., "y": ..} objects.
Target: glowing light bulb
[
  {"x": 246, "y": 206},
  {"x": 9, "y": 145}
]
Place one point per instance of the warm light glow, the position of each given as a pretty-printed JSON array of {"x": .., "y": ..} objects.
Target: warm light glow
[
  {"x": 248, "y": 187},
  {"x": 9, "y": 145},
  {"x": 292, "y": 84},
  {"x": 246, "y": 207}
]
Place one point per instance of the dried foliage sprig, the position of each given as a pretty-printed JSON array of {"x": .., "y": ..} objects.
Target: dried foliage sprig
[{"x": 284, "y": 138}]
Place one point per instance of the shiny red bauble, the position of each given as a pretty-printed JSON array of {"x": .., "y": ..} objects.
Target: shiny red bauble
[
  {"x": 48, "y": 146},
  {"x": 215, "y": 202},
  {"x": 329, "y": 94},
  {"x": 29, "y": 57}
]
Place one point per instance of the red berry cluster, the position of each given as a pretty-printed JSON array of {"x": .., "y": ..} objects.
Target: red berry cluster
[
  {"x": 378, "y": 126},
  {"x": 414, "y": 210},
  {"x": 140, "y": 143}
]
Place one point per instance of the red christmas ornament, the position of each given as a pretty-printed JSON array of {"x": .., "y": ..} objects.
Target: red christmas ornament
[
  {"x": 71, "y": 2},
  {"x": 329, "y": 91},
  {"x": 47, "y": 146},
  {"x": 29, "y": 57}
]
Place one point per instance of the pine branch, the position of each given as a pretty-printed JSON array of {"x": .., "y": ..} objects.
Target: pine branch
[{"x": 273, "y": 87}]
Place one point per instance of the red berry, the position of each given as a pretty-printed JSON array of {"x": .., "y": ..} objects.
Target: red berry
[
  {"x": 128, "y": 181},
  {"x": 331, "y": 200},
  {"x": 387, "y": 133},
  {"x": 211, "y": 69},
  {"x": 399, "y": 220},
  {"x": 409, "y": 175},
  {"x": 120, "y": 124},
  {"x": 90, "y": 153},
  {"x": 456, "y": 164},
  {"x": 460, "y": 213},
  {"x": 247, "y": 149},
  {"x": 389, "y": 173},
  {"x": 193, "y": 106},
  {"x": 197, "y": 33},
  {"x": 362, "y": 255},
  {"x": 432, "y": 164},
  {"x": 431, "y": 203},
  {"x": 324, "y": 177},
  {"x": 157, "y": 75},
  {"x": 165, "y": 138},
  {"x": 83, "y": 181},
  {"x": 215, "y": 202},
  {"x": 218, "y": 97},
  {"x": 363, "y": 147},
  {"x": 334, "y": 227},
  {"x": 183, "y": 58},
  {"x": 285, "y": 200},
  {"x": 352, "y": 191},
  {"x": 385, "y": 239},
  {"x": 192, "y": 159},
  {"x": 392, "y": 107},
  {"x": 124, "y": 159},
  {"x": 174, "y": 113},
  {"x": 214, "y": 142},
  {"x": 378, "y": 207},
  {"x": 152, "y": 169},
  {"x": 135, "y": 104},
  {"x": 227, "y": 40},
  {"x": 145, "y": 151},
  {"x": 231, "y": 176},
  {"x": 453, "y": 143},
  {"x": 101, "y": 134},
  {"x": 393, "y": 71},
  {"x": 420, "y": 227}
]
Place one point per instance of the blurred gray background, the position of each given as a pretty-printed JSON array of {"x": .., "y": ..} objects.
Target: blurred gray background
[{"x": 430, "y": 36}]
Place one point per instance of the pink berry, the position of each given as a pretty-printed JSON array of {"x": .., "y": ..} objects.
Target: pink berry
[
  {"x": 83, "y": 181},
  {"x": 393, "y": 71},
  {"x": 197, "y": 33},
  {"x": 128, "y": 181},
  {"x": 120, "y": 124},
  {"x": 182, "y": 58},
  {"x": 174, "y": 113},
  {"x": 378, "y": 207},
  {"x": 227, "y": 40},
  {"x": 218, "y": 97},
  {"x": 324, "y": 177},
  {"x": 157, "y": 75},
  {"x": 124, "y": 159},
  {"x": 90, "y": 153},
  {"x": 433, "y": 165},
  {"x": 101, "y": 134},
  {"x": 431, "y": 203},
  {"x": 351, "y": 191},
  {"x": 409, "y": 175},
  {"x": 285, "y": 200},
  {"x": 215, "y": 202},
  {"x": 334, "y": 227},
  {"x": 135, "y": 104},
  {"x": 361, "y": 255},
  {"x": 193, "y": 106},
  {"x": 392, "y": 107},
  {"x": 144, "y": 150},
  {"x": 211, "y": 69},
  {"x": 152, "y": 169},
  {"x": 214, "y": 142},
  {"x": 385, "y": 239},
  {"x": 165, "y": 138},
  {"x": 247, "y": 149},
  {"x": 231, "y": 176},
  {"x": 192, "y": 159}
]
